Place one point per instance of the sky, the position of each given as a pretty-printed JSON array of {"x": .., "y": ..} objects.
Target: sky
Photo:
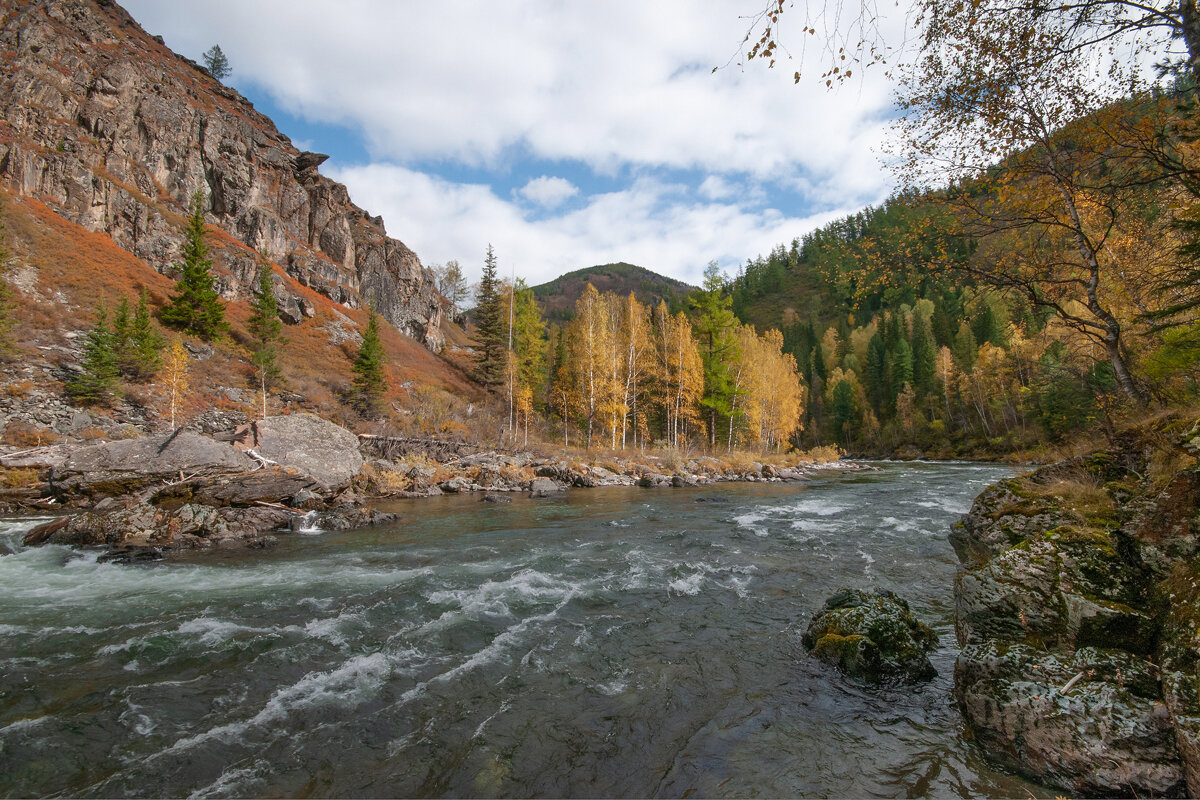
[{"x": 565, "y": 134}]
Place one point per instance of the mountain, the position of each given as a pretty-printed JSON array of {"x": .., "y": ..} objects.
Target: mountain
[
  {"x": 558, "y": 296},
  {"x": 114, "y": 132}
]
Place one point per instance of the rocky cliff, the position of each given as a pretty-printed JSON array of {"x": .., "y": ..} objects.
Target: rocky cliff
[
  {"x": 105, "y": 124},
  {"x": 1077, "y": 612}
]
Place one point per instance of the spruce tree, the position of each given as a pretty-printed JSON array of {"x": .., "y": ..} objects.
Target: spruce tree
[
  {"x": 98, "y": 380},
  {"x": 491, "y": 324},
  {"x": 875, "y": 373},
  {"x": 196, "y": 307},
  {"x": 965, "y": 348},
  {"x": 714, "y": 330},
  {"x": 986, "y": 327},
  {"x": 122, "y": 335},
  {"x": 924, "y": 356},
  {"x": 148, "y": 343},
  {"x": 370, "y": 382},
  {"x": 902, "y": 367},
  {"x": 941, "y": 324},
  {"x": 266, "y": 328}
]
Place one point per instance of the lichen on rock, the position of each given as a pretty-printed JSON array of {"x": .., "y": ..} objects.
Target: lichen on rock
[
  {"x": 1077, "y": 612},
  {"x": 873, "y": 636}
]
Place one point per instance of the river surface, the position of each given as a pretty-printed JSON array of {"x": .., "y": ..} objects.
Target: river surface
[{"x": 612, "y": 642}]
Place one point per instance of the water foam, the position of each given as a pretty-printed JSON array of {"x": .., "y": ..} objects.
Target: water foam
[{"x": 346, "y": 686}]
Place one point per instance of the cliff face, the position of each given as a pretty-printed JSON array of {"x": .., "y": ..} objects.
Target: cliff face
[
  {"x": 109, "y": 127},
  {"x": 1077, "y": 613}
]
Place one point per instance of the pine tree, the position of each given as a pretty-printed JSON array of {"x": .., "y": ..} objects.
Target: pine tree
[
  {"x": 217, "y": 63},
  {"x": 196, "y": 307},
  {"x": 491, "y": 322},
  {"x": 96, "y": 383},
  {"x": 266, "y": 328},
  {"x": 370, "y": 381}
]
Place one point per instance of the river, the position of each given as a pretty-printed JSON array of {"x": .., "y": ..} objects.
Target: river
[{"x": 611, "y": 642}]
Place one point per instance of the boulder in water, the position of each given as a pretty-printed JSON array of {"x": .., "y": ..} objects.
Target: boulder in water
[{"x": 872, "y": 636}]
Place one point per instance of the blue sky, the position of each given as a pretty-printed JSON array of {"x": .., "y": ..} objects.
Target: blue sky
[{"x": 565, "y": 134}]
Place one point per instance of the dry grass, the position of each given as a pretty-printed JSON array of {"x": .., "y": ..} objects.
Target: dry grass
[
  {"x": 19, "y": 434},
  {"x": 1078, "y": 492},
  {"x": 18, "y": 389},
  {"x": 824, "y": 454},
  {"x": 19, "y": 478}
]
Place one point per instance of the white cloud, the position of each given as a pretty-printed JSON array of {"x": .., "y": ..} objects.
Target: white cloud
[
  {"x": 613, "y": 84},
  {"x": 652, "y": 224},
  {"x": 548, "y": 192},
  {"x": 624, "y": 88},
  {"x": 715, "y": 187}
]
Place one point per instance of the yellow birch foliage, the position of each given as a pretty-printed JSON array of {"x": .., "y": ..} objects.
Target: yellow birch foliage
[
  {"x": 590, "y": 345},
  {"x": 773, "y": 397},
  {"x": 175, "y": 379},
  {"x": 679, "y": 373}
]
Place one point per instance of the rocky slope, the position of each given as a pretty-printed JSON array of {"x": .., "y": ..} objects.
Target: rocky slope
[
  {"x": 103, "y": 123},
  {"x": 1077, "y": 612}
]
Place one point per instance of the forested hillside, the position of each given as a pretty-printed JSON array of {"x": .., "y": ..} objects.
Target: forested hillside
[
  {"x": 558, "y": 297},
  {"x": 965, "y": 321}
]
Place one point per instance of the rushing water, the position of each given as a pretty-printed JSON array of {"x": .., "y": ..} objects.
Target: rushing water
[{"x": 613, "y": 642}]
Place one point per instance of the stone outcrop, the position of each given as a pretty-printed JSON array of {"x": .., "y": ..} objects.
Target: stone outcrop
[
  {"x": 123, "y": 467},
  {"x": 325, "y": 452},
  {"x": 107, "y": 126},
  {"x": 190, "y": 526},
  {"x": 1077, "y": 614},
  {"x": 872, "y": 636}
]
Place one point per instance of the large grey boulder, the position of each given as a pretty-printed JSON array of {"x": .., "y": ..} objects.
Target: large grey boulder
[
  {"x": 1092, "y": 721},
  {"x": 1003, "y": 515},
  {"x": 123, "y": 467},
  {"x": 325, "y": 452}
]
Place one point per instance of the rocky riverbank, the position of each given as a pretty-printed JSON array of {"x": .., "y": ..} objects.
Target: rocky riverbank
[
  {"x": 145, "y": 498},
  {"x": 1077, "y": 611}
]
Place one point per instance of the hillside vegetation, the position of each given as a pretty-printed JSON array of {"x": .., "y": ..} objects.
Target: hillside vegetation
[{"x": 558, "y": 297}]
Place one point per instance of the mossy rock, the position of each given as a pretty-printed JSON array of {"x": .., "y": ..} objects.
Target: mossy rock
[{"x": 872, "y": 636}]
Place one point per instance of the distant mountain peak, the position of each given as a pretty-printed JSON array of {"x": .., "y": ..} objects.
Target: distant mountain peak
[{"x": 557, "y": 297}]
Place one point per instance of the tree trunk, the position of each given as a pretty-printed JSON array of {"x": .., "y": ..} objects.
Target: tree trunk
[
  {"x": 1189, "y": 31},
  {"x": 1110, "y": 325}
]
